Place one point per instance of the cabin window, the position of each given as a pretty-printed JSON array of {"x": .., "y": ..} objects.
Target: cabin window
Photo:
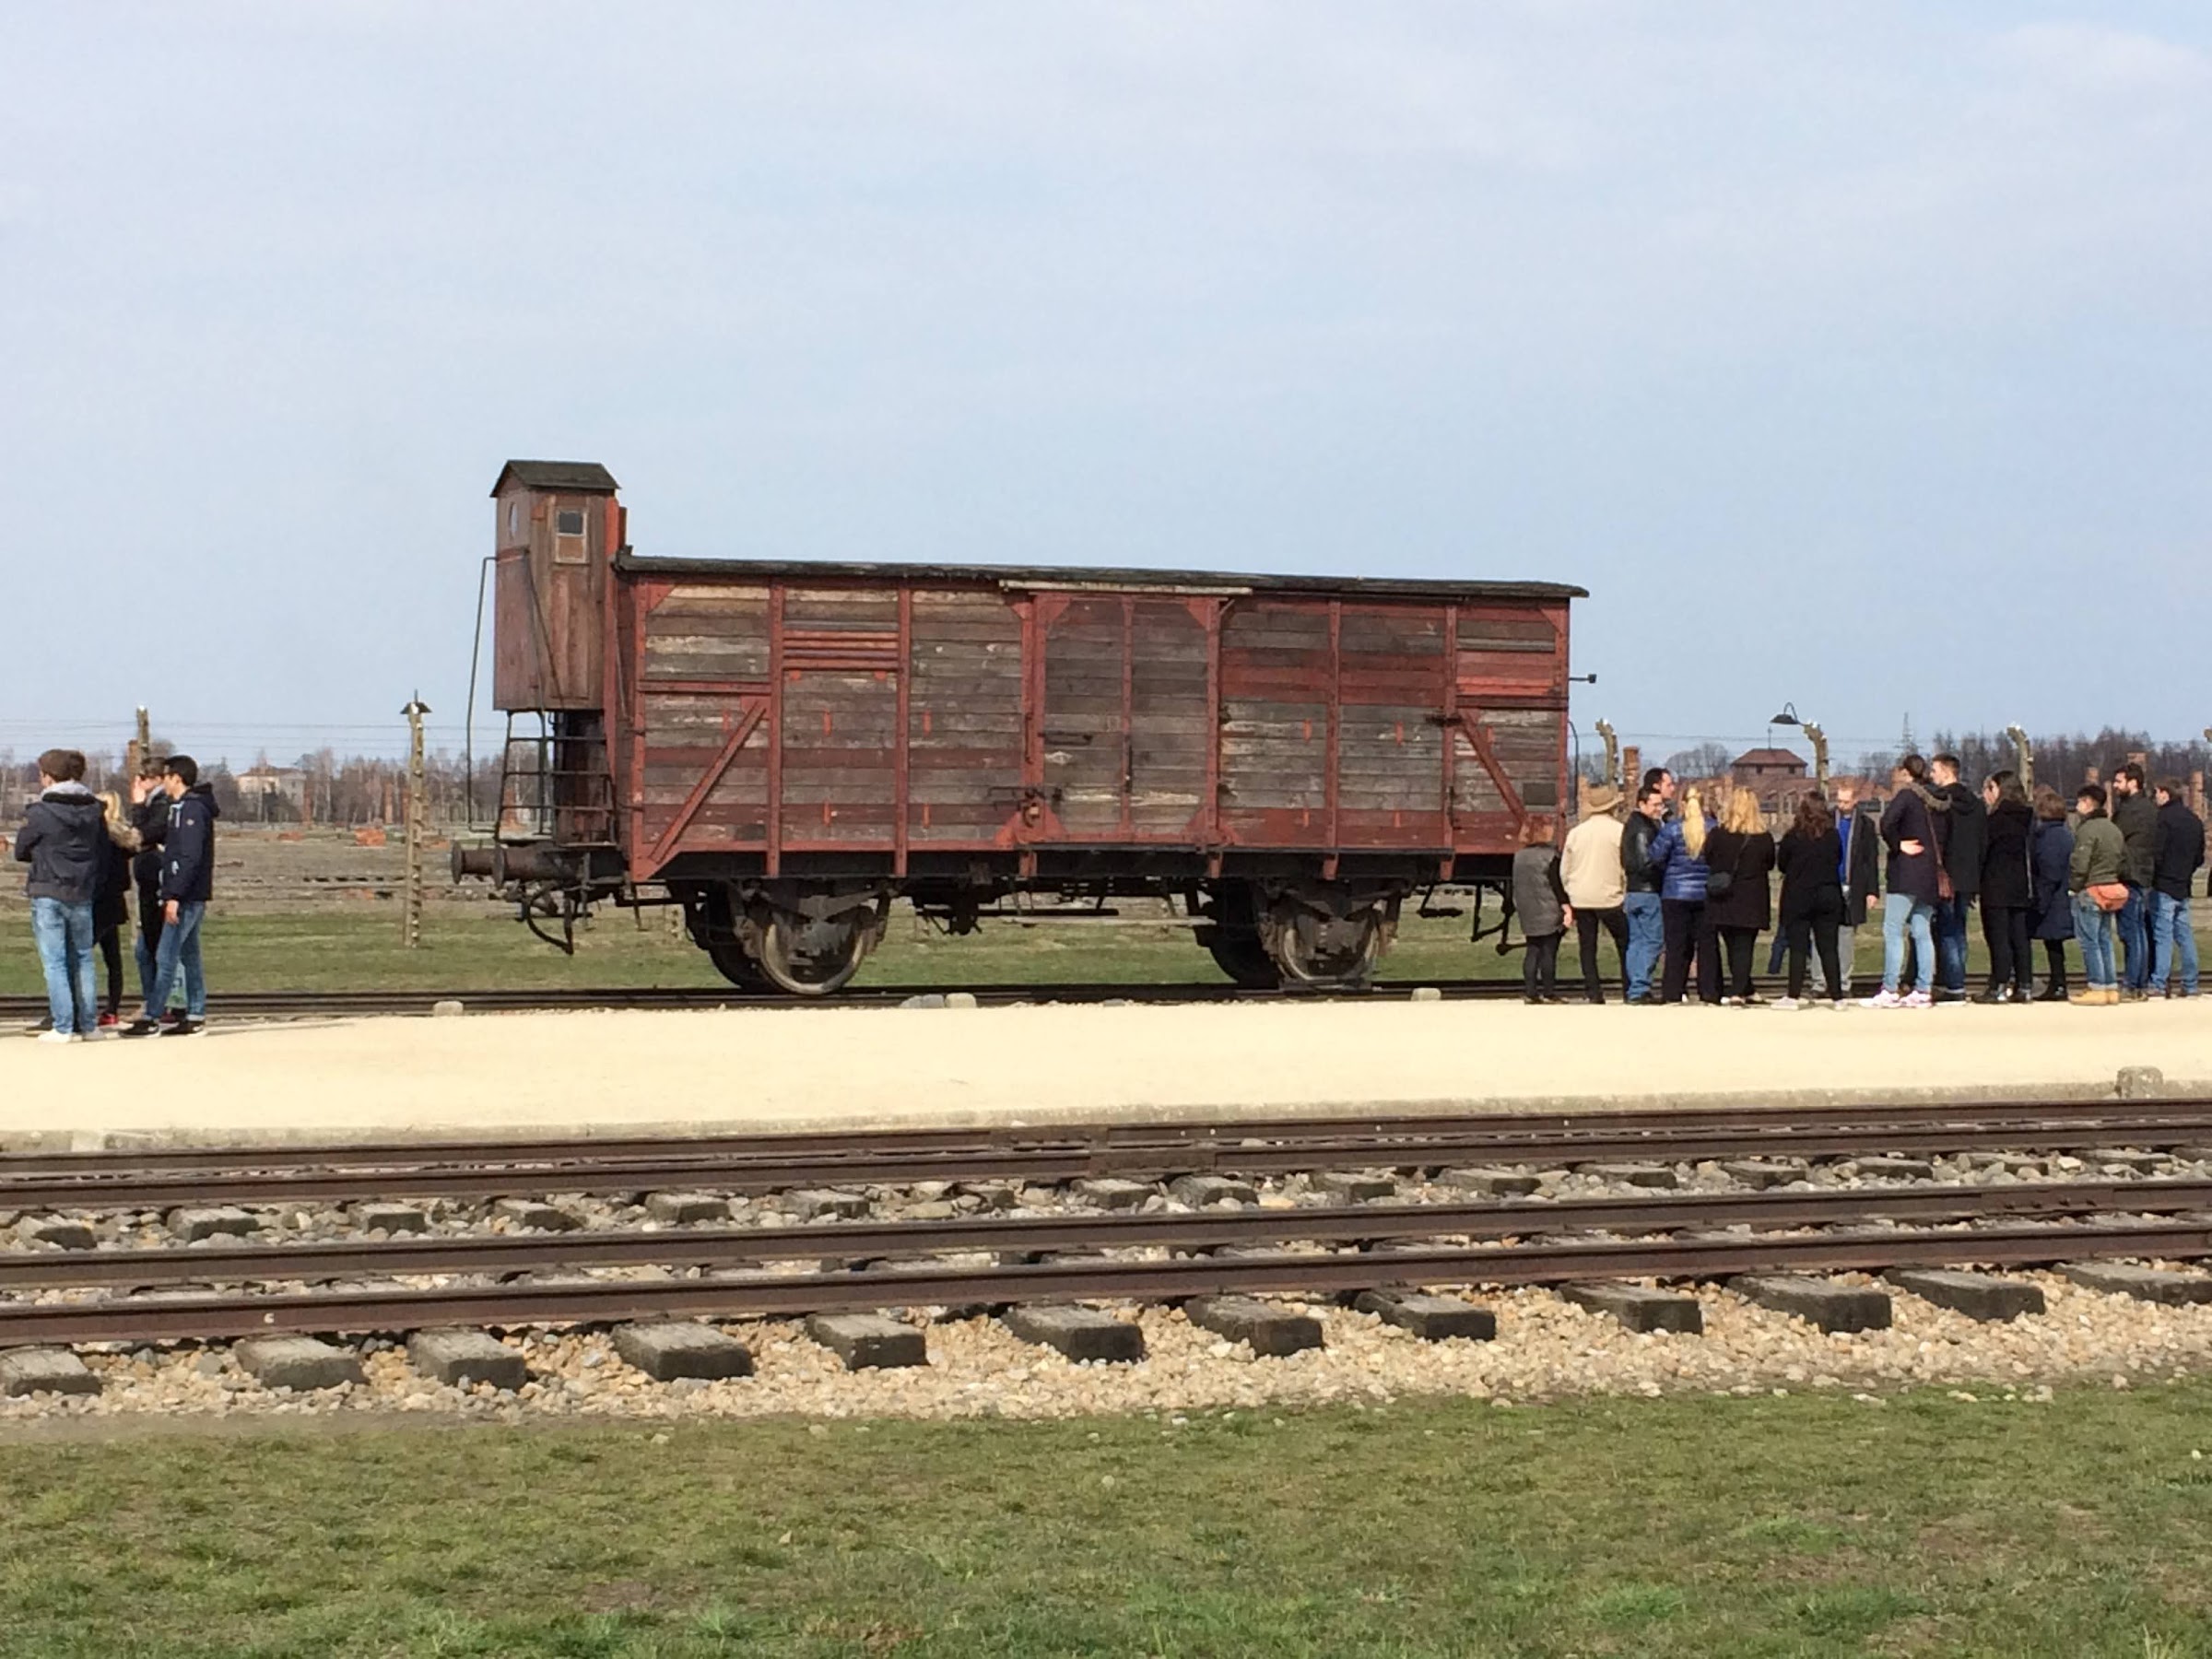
[{"x": 568, "y": 537}]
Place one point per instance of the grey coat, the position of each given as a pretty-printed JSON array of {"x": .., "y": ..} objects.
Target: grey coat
[{"x": 1539, "y": 899}]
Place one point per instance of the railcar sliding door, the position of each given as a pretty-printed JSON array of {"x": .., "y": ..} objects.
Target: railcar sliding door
[{"x": 1126, "y": 716}]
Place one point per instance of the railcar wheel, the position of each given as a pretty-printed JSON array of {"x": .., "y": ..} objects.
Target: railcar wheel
[
  {"x": 1233, "y": 937},
  {"x": 1340, "y": 954},
  {"x": 815, "y": 956},
  {"x": 735, "y": 963},
  {"x": 1320, "y": 940},
  {"x": 1244, "y": 958}
]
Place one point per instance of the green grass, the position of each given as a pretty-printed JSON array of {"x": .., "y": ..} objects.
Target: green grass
[
  {"x": 1808, "y": 1525},
  {"x": 465, "y": 948},
  {"x": 469, "y": 948}
]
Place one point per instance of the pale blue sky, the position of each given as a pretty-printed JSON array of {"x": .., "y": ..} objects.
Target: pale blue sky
[{"x": 1854, "y": 354}]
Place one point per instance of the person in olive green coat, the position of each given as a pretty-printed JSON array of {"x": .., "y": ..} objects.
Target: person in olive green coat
[{"x": 2099, "y": 853}]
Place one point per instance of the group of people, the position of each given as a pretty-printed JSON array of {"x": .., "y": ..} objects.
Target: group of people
[
  {"x": 1684, "y": 893},
  {"x": 86, "y": 853}
]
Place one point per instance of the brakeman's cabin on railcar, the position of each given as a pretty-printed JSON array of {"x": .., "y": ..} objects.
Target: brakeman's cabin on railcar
[{"x": 783, "y": 748}]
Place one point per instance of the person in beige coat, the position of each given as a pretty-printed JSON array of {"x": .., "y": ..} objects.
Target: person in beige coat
[{"x": 1590, "y": 869}]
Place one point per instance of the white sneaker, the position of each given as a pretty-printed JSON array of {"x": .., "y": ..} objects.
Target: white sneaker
[
  {"x": 1884, "y": 998},
  {"x": 1919, "y": 999},
  {"x": 56, "y": 1036},
  {"x": 1787, "y": 1004}
]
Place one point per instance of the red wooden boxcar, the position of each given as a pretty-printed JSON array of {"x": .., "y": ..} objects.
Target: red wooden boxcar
[{"x": 783, "y": 748}]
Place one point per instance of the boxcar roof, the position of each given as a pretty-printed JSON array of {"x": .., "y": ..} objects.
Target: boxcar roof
[
  {"x": 1080, "y": 576},
  {"x": 556, "y": 475}
]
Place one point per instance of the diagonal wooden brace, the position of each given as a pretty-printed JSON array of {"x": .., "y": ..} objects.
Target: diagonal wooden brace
[
  {"x": 754, "y": 708},
  {"x": 1470, "y": 721}
]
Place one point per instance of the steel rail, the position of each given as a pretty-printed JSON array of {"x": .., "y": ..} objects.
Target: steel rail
[
  {"x": 2175, "y": 1116},
  {"x": 939, "y": 1285},
  {"x": 309, "y": 1004},
  {"x": 769, "y": 1171},
  {"x": 501, "y": 1254}
]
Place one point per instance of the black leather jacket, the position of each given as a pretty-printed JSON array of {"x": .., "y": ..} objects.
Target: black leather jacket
[{"x": 1636, "y": 853}]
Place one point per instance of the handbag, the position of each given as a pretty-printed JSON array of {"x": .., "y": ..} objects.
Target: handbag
[
  {"x": 1719, "y": 884},
  {"x": 2109, "y": 896}
]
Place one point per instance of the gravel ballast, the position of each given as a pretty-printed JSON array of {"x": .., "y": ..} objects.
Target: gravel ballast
[{"x": 1545, "y": 1348}]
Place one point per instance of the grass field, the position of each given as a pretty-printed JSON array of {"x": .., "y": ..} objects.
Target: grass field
[
  {"x": 465, "y": 947},
  {"x": 472, "y": 946},
  {"x": 1807, "y": 1525}
]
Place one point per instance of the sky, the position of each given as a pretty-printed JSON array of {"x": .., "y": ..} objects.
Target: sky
[{"x": 1854, "y": 356}]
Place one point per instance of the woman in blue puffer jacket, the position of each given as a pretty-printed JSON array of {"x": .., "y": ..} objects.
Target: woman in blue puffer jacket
[{"x": 1678, "y": 861}]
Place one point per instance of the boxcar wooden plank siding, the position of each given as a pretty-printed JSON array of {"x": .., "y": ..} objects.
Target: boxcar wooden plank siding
[
  {"x": 965, "y": 727},
  {"x": 1214, "y": 720}
]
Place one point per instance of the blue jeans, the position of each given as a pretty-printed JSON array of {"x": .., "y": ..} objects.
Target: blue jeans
[
  {"x": 180, "y": 953},
  {"x": 2134, "y": 938},
  {"x": 1948, "y": 924},
  {"x": 2093, "y": 932},
  {"x": 2169, "y": 927},
  {"x": 1645, "y": 936},
  {"x": 63, "y": 931},
  {"x": 1900, "y": 911}
]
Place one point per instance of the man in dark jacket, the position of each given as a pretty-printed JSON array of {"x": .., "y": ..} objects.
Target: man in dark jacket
[
  {"x": 1642, "y": 902},
  {"x": 149, "y": 817},
  {"x": 187, "y": 883},
  {"x": 1908, "y": 829},
  {"x": 1962, "y": 830},
  {"x": 2137, "y": 821},
  {"x": 2177, "y": 850},
  {"x": 61, "y": 841},
  {"x": 1859, "y": 828}
]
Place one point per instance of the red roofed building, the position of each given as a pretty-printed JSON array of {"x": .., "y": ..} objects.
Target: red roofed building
[{"x": 1767, "y": 770}]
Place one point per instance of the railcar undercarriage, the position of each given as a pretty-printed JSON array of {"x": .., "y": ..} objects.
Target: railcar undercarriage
[{"x": 809, "y": 936}]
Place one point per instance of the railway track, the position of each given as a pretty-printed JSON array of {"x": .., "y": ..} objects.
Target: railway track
[
  {"x": 1363, "y": 1226},
  {"x": 934, "y": 1283},
  {"x": 335, "y": 1004},
  {"x": 218, "y": 1290},
  {"x": 327, "y": 1005},
  {"x": 1154, "y": 1151}
]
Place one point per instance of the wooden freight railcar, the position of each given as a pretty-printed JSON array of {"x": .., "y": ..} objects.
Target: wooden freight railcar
[{"x": 784, "y": 749}]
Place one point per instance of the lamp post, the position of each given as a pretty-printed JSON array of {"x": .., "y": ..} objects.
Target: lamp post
[{"x": 1814, "y": 735}]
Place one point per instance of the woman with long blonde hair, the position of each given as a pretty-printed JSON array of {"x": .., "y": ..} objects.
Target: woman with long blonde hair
[
  {"x": 1739, "y": 860},
  {"x": 111, "y": 905},
  {"x": 1678, "y": 865}
]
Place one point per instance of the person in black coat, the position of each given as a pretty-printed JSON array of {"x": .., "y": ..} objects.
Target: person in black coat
[
  {"x": 2136, "y": 819},
  {"x": 111, "y": 904},
  {"x": 1739, "y": 857},
  {"x": 2050, "y": 903},
  {"x": 2005, "y": 893},
  {"x": 1910, "y": 830},
  {"x": 1811, "y": 860},
  {"x": 1961, "y": 830},
  {"x": 2177, "y": 853},
  {"x": 149, "y": 818}
]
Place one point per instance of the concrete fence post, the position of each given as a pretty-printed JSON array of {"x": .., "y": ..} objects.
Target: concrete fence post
[{"x": 411, "y": 918}]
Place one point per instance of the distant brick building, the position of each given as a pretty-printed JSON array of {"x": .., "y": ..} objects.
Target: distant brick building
[{"x": 1767, "y": 771}]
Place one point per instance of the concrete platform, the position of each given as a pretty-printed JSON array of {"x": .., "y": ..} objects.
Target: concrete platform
[{"x": 552, "y": 1074}]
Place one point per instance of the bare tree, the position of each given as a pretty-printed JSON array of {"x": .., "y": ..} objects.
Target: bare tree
[{"x": 1706, "y": 760}]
